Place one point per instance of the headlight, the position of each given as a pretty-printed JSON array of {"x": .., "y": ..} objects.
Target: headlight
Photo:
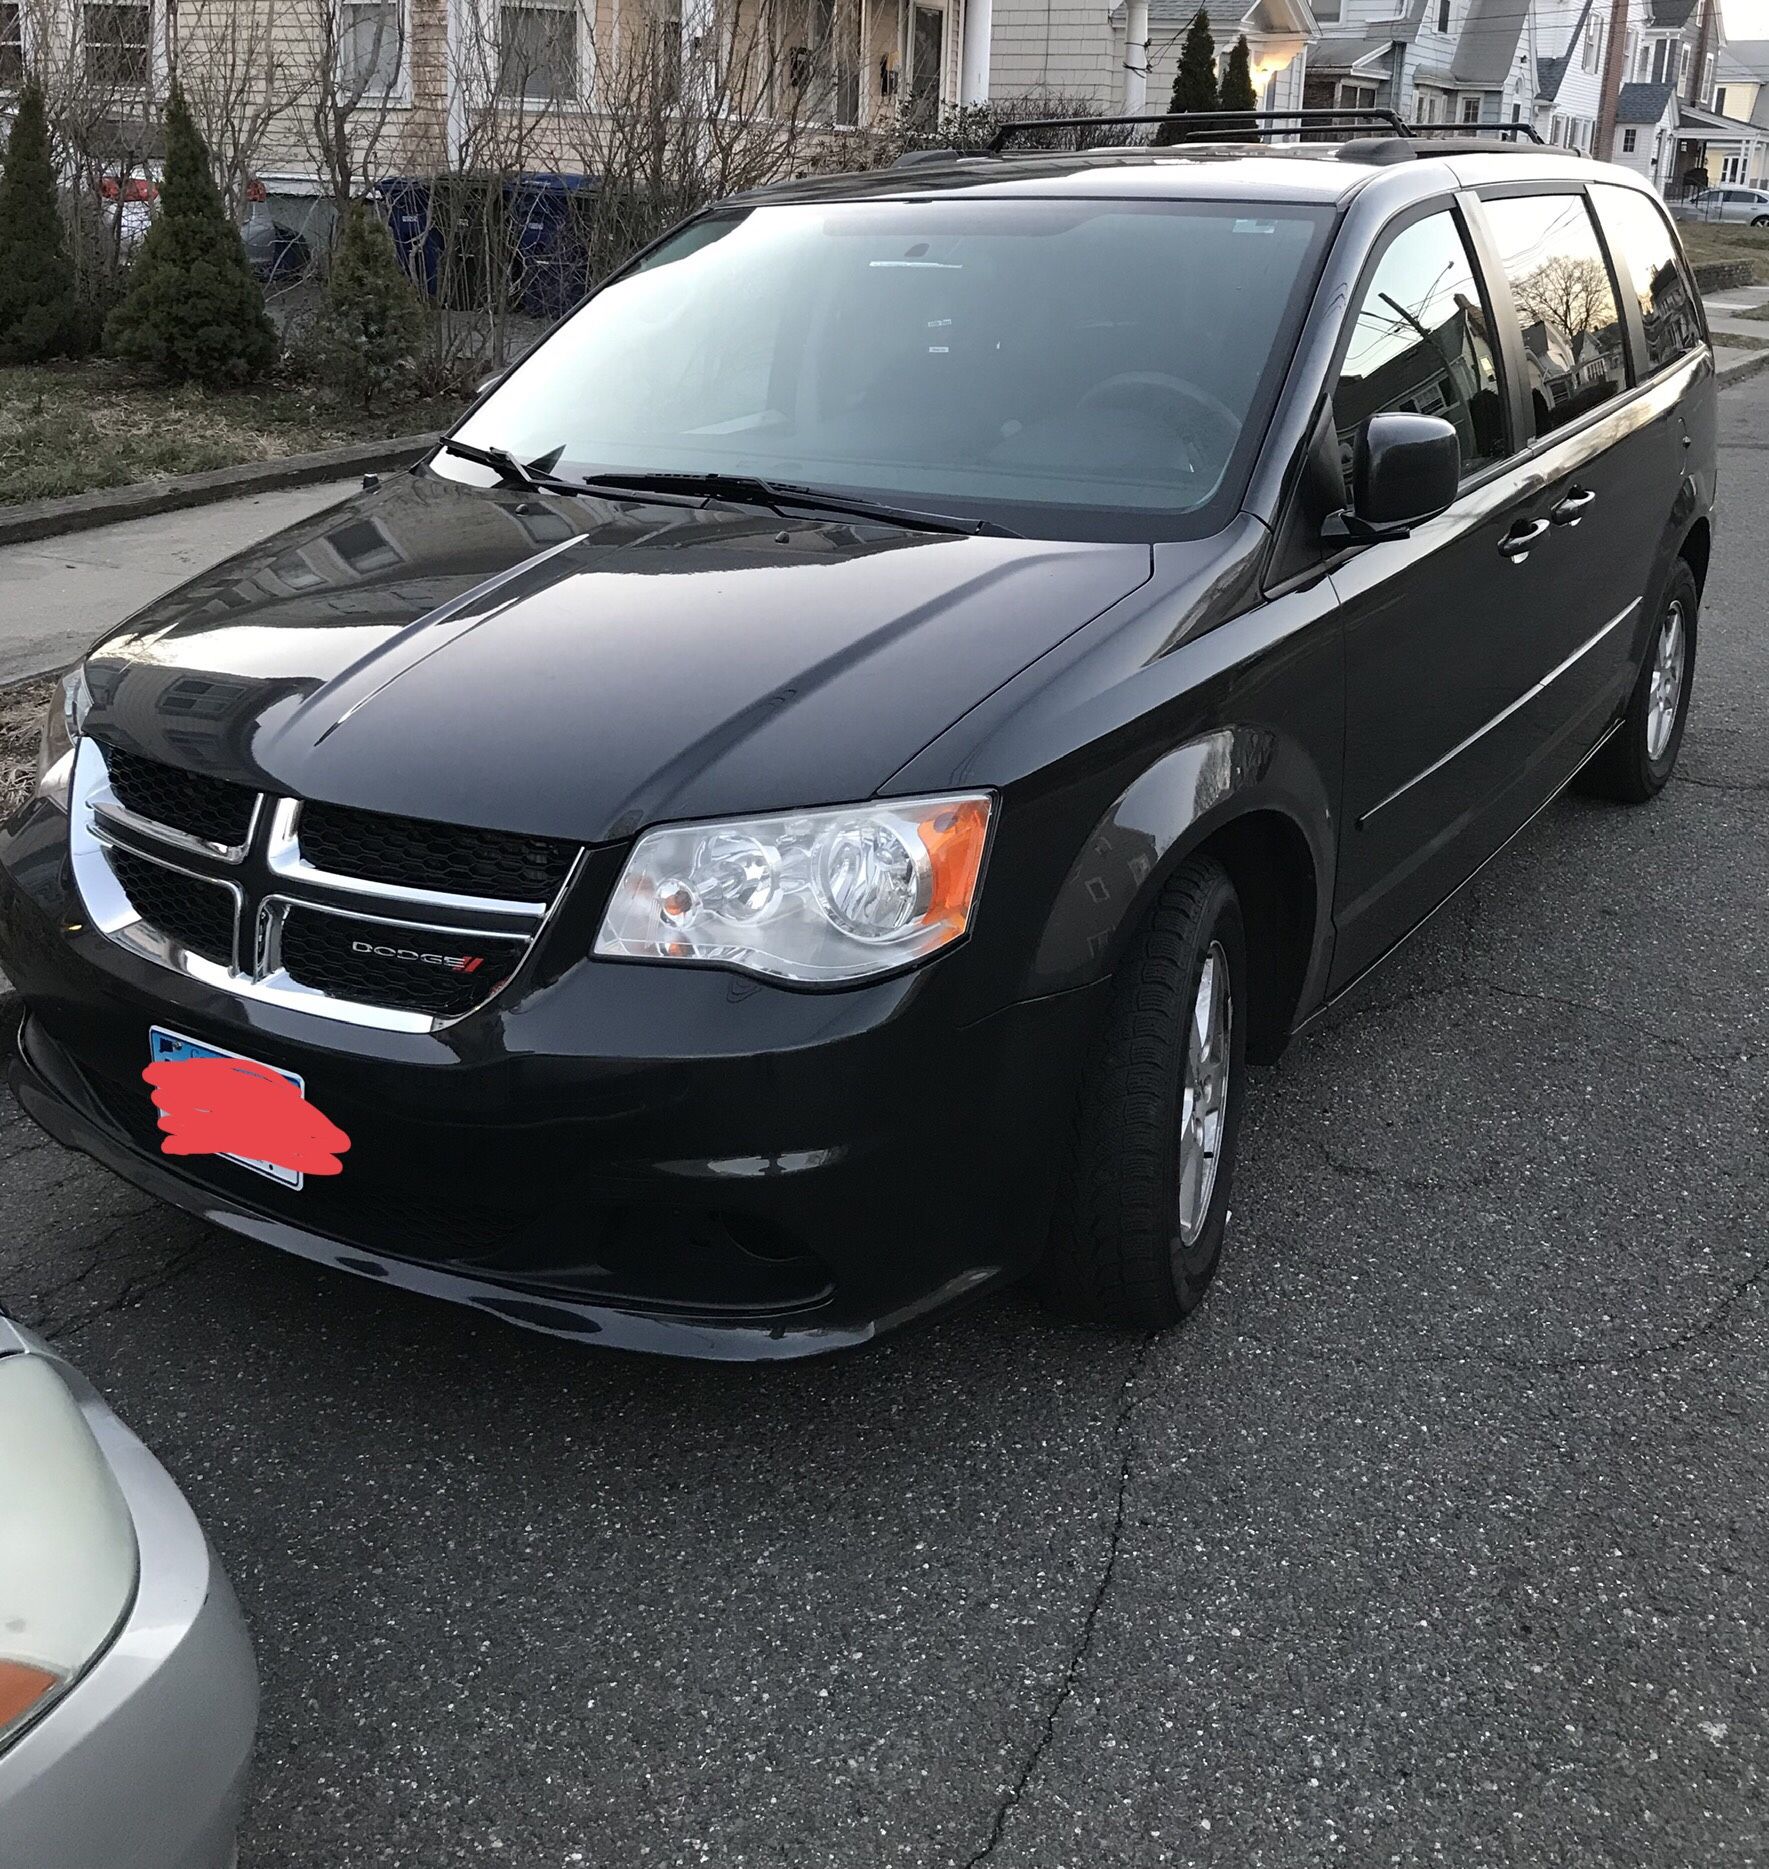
[
  {"x": 813, "y": 896},
  {"x": 67, "y": 1547},
  {"x": 62, "y": 727}
]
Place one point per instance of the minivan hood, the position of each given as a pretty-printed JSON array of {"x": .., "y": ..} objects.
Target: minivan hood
[{"x": 579, "y": 668}]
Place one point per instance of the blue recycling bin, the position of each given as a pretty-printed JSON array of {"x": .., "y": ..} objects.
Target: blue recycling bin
[{"x": 543, "y": 233}]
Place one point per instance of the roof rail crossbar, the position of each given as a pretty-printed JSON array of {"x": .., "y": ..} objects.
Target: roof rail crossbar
[
  {"x": 1216, "y": 120},
  {"x": 1511, "y": 132}
]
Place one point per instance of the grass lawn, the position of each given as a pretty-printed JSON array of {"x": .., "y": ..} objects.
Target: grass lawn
[
  {"x": 71, "y": 428},
  {"x": 1728, "y": 240}
]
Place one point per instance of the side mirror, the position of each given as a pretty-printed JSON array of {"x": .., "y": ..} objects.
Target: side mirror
[{"x": 1405, "y": 469}]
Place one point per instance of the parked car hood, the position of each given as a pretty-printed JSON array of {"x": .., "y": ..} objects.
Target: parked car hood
[{"x": 579, "y": 668}]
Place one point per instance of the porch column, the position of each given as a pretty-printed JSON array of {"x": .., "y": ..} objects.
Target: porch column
[
  {"x": 973, "y": 74},
  {"x": 1136, "y": 57}
]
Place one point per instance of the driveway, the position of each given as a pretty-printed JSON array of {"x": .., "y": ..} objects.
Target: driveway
[{"x": 1439, "y": 1535}]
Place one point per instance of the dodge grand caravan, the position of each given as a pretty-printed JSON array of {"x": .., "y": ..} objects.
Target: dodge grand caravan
[{"x": 807, "y": 803}]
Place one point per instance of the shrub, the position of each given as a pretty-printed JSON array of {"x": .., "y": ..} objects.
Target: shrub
[
  {"x": 193, "y": 308},
  {"x": 1237, "y": 79},
  {"x": 1194, "y": 84},
  {"x": 39, "y": 315},
  {"x": 372, "y": 324}
]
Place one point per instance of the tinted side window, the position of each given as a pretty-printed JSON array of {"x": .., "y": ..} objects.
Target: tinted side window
[
  {"x": 1639, "y": 237},
  {"x": 1420, "y": 342},
  {"x": 1573, "y": 344}
]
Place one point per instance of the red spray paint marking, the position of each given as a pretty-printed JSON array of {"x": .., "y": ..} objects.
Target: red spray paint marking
[{"x": 226, "y": 1106}]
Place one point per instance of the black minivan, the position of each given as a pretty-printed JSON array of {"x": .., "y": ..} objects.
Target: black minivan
[{"x": 805, "y": 805}]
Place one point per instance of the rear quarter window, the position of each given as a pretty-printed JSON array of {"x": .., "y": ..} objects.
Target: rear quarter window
[{"x": 1641, "y": 241}]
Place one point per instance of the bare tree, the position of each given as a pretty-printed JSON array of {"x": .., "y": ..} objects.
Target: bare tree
[
  {"x": 1570, "y": 295},
  {"x": 233, "y": 60}
]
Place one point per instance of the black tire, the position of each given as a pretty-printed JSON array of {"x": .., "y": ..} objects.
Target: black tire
[
  {"x": 1117, "y": 1258},
  {"x": 1627, "y": 769},
  {"x": 1760, "y": 220}
]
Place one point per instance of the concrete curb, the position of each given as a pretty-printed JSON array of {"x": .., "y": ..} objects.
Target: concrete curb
[
  {"x": 43, "y": 519},
  {"x": 1755, "y": 364}
]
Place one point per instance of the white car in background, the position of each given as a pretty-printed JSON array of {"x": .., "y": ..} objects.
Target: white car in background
[
  {"x": 1731, "y": 203},
  {"x": 128, "y": 1693}
]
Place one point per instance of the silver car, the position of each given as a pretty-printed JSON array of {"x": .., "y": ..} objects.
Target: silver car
[
  {"x": 128, "y": 1693},
  {"x": 1726, "y": 204}
]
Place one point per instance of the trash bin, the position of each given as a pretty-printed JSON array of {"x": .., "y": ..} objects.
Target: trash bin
[{"x": 455, "y": 233}]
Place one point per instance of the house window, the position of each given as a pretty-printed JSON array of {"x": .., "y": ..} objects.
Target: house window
[
  {"x": 1630, "y": 138},
  {"x": 1682, "y": 67},
  {"x": 1471, "y": 110},
  {"x": 12, "y": 44},
  {"x": 370, "y": 43},
  {"x": 115, "y": 40},
  {"x": 537, "y": 49},
  {"x": 1588, "y": 50},
  {"x": 825, "y": 70},
  {"x": 1661, "y": 51},
  {"x": 1327, "y": 13},
  {"x": 1355, "y": 96},
  {"x": 1443, "y": 15}
]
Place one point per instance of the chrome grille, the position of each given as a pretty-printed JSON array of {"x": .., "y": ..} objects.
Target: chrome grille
[
  {"x": 420, "y": 854},
  {"x": 213, "y": 811},
  {"x": 251, "y": 899},
  {"x": 353, "y": 957},
  {"x": 197, "y": 915}
]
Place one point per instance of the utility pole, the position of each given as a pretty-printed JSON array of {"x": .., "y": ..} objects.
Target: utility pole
[
  {"x": 1136, "y": 57},
  {"x": 1614, "y": 76}
]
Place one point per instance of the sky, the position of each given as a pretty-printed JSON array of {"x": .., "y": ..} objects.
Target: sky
[{"x": 1746, "y": 19}]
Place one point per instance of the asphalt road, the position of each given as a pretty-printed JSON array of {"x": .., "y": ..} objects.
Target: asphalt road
[{"x": 1440, "y": 1535}]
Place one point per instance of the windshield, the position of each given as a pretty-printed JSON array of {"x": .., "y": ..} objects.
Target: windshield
[{"x": 1080, "y": 369}]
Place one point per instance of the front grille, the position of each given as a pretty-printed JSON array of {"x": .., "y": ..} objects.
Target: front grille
[
  {"x": 336, "y": 955},
  {"x": 195, "y": 914},
  {"x": 418, "y": 854},
  {"x": 215, "y": 810}
]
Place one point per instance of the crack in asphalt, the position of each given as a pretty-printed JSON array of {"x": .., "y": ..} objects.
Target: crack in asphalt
[
  {"x": 1721, "y": 785},
  {"x": 1473, "y": 984},
  {"x": 1083, "y": 1642}
]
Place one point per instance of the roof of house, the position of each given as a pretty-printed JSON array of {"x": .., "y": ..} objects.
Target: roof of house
[
  {"x": 1672, "y": 12},
  {"x": 1331, "y": 58},
  {"x": 1228, "y": 18},
  {"x": 1642, "y": 103},
  {"x": 1549, "y": 72},
  {"x": 1748, "y": 58},
  {"x": 1487, "y": 46}
]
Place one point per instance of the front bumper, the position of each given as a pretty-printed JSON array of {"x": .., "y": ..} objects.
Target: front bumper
[
  {"x": 144, "y": 1759},
  {"x": 661, "y": 1158}
]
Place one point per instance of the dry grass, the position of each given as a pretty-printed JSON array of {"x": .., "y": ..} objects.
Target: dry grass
[
  {"x": 1724, "y": 240},
  {"x": 22, "y": 706},
  {"x": 73, "y": 428}
]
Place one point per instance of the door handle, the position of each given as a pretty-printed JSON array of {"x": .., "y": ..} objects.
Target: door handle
[
  {"x": 1521, "y": 540},
  {"x": 1573, "y": 508}
]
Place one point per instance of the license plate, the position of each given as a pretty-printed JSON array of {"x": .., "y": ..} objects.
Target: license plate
[{"x": 170, "y": 1047}]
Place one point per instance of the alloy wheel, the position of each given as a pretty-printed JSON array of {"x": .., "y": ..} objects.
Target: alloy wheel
[
  {"x": 1204, "y": 1106},
  {"x": 1665, "y": 690}
]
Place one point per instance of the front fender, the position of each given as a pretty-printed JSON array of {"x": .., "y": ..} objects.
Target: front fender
[{"x": 1190, "y": 796}]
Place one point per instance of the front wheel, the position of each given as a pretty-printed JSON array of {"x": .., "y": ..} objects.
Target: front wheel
[
  {"x": 1642, "y": 752},
  {"x": 1140, "y": 1226},
  {"x": 1760, "y": 220}
]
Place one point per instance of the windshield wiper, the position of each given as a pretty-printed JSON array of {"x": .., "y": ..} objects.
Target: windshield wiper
[
  {"x": 509, "y": 470},
  {"x": 748, "y": 490}
]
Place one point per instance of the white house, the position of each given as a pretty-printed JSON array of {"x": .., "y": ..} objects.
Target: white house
[
  {"x": 1123, "y": 56},
  {"x": 1437, "y": 61}
]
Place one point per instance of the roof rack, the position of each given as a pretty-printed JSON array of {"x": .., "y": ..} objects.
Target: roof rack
[
  {"x": 1211, "y": 123},
  {"x": 1206, "y": 126},
  {"x": 1506, "y": 132}
]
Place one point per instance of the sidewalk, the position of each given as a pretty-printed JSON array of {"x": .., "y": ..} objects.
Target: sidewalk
[
  {"x": 1726, "y": 321},
  {"x": 57, "y": 595}
]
